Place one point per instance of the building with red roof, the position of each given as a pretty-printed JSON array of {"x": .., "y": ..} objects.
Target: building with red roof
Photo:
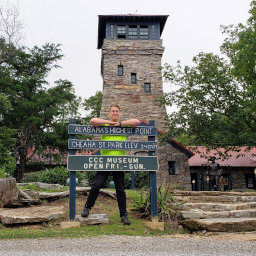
[{"x": 237, "y": 166}]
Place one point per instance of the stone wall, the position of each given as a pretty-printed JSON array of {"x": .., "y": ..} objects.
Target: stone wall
[
  {"x": 238, "y": 177},
  {"x": 181, "y": 179},
  {"x": 142, "y": 57}
]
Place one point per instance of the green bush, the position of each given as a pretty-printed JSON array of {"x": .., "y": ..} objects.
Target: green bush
[
  {"x": 91, "y": 175},
  {"x": 32, "y": 177},
  {"x": 2, "y": 173},
  {"x": 169, "y": 207},
  {"x": 36, "y": 166},
  {"x": 57, "y": 175},
  {"x": 141, "y": 179}
]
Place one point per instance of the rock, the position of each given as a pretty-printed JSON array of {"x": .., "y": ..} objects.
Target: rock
[
  {"x": 221, "y": 224},
  {"x": 155, "y": 225},
  {"x": 219, "y": 206},
  {"x": 200, "y": 214},
  {"x": 70, "y": 224},
  {"x": 30, "y": 215},
  {"x": 41, "y": 185},
  {"x": 93, "y": 219}
]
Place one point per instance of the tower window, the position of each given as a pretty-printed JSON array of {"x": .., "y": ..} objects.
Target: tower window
[
  {"x": 112, "y": 31},
  {"x": 143, "y": 32},
  {"x": 132, "y": 32},
  {"x": 171, "y": 165},
  {"x": 120, "y": 70},
  {"x": 121, "y": 31},
  {"x": 147, "y": 87},
  {"x": 133, "y": 78}
]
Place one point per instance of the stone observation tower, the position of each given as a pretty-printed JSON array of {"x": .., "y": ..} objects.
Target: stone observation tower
[
  {"x": 131, "y": 57},
  {"x": 130, "y": 68}
]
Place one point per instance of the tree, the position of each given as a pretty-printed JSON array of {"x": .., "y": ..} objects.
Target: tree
[
  {"x": 216, "y": 97},
  {"x": 10, "y": 24},
  {"x": 7, "y": 140},
  {"x": 92, "y": 105},
  {"x": 35, "y": 108}
]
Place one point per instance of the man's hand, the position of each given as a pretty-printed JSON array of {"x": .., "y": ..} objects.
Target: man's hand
[
  {"x": 115, "y": 124},
  {"x": 99, "y": 122}
]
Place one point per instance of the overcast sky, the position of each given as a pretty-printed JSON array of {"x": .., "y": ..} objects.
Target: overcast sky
[{"x": 192, "y": 26}]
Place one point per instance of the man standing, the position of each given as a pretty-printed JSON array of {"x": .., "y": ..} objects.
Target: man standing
[{"x": 118, "y": 176}]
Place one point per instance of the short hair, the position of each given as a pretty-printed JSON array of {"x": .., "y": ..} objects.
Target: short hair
[{"x": 114, "y": 105}]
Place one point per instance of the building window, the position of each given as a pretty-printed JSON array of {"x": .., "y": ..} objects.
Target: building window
[
  {"x": 132, "y": 32},
  {"x": 153, "y": 31},
  {"x": 143, "y": 32},
  {"x": 133, "y": 78},
  {"x": 147, "y": 87},
  {"x": 171, "y": 165},
  {"x": 121, "y": 31},
  {"x": 250, "y": 181},
  {"x": 112, "y": 31},
  {"x": 120, "y": 70}
]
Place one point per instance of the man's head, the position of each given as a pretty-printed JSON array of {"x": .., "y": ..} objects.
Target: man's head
[{"x": 114, "y": 112}]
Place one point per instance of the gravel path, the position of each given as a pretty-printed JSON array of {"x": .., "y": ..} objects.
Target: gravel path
[{"x": 126, "y": 246}]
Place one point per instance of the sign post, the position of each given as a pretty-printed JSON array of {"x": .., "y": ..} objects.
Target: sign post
[
  {"x": 152, "y": 180},
  {"x": 112, "y": 163},
  {"x": 72, "y": 185}
]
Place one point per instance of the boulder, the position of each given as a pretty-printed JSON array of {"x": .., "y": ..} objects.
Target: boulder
[
  {"x": 221, "y": 224},
  {"x": 93, "y": 219},
  {"x": 35, "y": 214}
]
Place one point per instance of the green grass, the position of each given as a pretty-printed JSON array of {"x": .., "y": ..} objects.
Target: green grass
[
  {"x": 35, "y": 188},
  {"x": 103, "y": 205}
]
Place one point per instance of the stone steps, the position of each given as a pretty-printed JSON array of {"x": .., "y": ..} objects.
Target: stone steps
[
  {"x": 199, "y": 214},
  {"x": 218, "y": 211},
  {"x": 221, "y": 224},
  {"x": 219, "y": 206},
  {"x": 212, "y": 193},
  {"x": 218, "y": 198}
]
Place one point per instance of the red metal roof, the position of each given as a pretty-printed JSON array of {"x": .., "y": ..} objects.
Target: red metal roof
[{"x": 239, "y": 157}]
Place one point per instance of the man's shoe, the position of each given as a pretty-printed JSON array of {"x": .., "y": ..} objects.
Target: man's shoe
[
  {"x": 85, "y": 212},
  {"x": 125, "y": 220}
]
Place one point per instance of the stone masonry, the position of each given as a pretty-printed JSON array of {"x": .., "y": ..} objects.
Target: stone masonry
[{"x": 142, "y": 57}]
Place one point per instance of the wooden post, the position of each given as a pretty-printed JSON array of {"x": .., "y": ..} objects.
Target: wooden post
[
  {"x": 72, "y": 186},
  {"x": 152, "y": 176}
]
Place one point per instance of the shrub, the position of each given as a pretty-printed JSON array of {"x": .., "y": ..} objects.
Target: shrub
[
  {"x": 36, "y": 166},
  {"x": 2, "y": 173},
  {"x": 91, "y": 175},
  {"x": 32, "y": 177},
  {"x": 57, "y": 175},
  {"x": 169, "y": 207},
  {"x": 141, "y": 180}
]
